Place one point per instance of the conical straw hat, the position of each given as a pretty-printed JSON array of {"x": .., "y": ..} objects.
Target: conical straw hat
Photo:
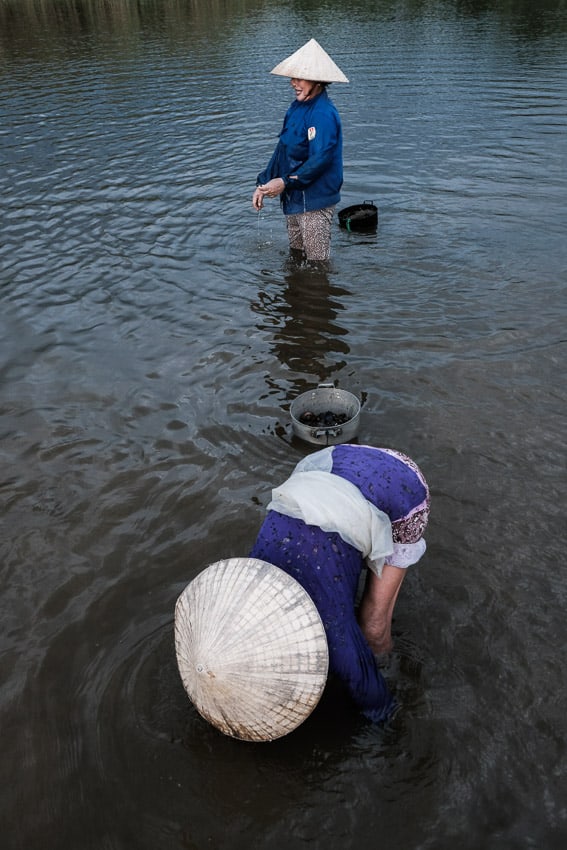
[
  {"x": 251, "y": 649},
  {"x": 311, "y": 62}
]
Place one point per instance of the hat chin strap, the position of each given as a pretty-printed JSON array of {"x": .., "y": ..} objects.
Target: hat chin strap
[{"x": 314, "y": 86}]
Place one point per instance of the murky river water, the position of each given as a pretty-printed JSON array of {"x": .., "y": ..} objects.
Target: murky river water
[{"x": 152, "y": 338}]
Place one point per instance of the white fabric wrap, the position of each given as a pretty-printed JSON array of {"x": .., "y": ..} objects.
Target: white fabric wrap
[
  {"x": 334, "y": 504},
  {"x": 406, "y": 554},
  {"x": 403, "y": 554},
  {"x": 321, "y": 461}
]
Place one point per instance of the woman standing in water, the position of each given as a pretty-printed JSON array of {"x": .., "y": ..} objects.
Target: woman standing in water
[{"x": 306, "y": 168}]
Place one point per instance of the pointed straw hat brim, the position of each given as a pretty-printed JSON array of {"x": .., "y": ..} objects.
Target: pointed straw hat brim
[
  {"x": 311, "y": 62},
  {"x": 251, "y": 649}
]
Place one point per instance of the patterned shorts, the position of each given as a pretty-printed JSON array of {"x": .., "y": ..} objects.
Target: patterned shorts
[{"x": 310, "y": 232}]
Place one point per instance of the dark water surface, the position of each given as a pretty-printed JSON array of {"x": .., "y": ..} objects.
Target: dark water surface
[{"x": 152, "y": 338}]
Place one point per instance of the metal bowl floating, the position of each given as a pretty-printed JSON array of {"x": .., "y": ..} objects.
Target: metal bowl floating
[
  {"x": 359, "y": 217},
  {"x": 325, "y": 416}
]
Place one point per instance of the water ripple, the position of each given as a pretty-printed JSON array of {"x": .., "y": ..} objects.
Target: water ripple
[{"x": 152, "y": 337}]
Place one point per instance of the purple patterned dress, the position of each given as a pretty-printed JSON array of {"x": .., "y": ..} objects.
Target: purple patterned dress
[{"x": 329, "y": 568}]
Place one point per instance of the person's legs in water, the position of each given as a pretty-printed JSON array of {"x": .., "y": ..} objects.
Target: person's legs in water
[
  {"x": 296, "y": 249},
  {"x": 310, "y": 233},
  {"x": 377, "y": 607}
]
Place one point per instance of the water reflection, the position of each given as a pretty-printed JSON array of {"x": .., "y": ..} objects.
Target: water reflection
[
  {"x": 303, "y": 317},
  {"x": 32, "y": 25},
  {"x": 528, "y": 19},
  {"x": 142, "y": 319}
]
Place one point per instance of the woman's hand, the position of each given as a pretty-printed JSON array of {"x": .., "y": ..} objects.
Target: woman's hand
[
  {"x": 271, "y": 189},
  {"x": 258, "y": 199}
]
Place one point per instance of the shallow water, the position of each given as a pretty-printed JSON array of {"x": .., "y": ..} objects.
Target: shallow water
[{"x": 152, "y": 339}]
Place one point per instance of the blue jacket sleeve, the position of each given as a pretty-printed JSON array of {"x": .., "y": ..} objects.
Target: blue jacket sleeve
[{"x": 269, "y": 171}]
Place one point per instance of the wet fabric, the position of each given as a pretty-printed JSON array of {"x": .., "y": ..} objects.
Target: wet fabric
[
  {"x": 392, "y": 482},
  {"x": 313, "y": 496},
  {"x": 310, "y": 233},
  {"x": 308, "y": 156},
  {"x": 388, "y": 479},
  {"x": 329, "y": 568}
]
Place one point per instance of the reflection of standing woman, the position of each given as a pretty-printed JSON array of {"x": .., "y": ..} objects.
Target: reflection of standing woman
[{"x": 306, "y": 168}]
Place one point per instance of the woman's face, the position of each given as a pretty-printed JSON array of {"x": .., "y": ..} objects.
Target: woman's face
[{"x": 304, "y": 89}]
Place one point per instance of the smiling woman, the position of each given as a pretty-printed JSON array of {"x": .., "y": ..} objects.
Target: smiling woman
[{"x": 306, "y": 168}]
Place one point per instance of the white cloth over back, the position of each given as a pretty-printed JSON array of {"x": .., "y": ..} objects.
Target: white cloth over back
[
  {"x": 334, "y": 504},
  {"x": 403, "y": 555}
]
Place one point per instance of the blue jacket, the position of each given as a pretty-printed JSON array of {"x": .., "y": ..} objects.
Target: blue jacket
[{"x": 308, "y": 156}]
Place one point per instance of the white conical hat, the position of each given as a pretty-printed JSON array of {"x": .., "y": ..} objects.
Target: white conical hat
[
  {"x": 310, "y": 62},
  {"x": 251, "y": 649}
]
